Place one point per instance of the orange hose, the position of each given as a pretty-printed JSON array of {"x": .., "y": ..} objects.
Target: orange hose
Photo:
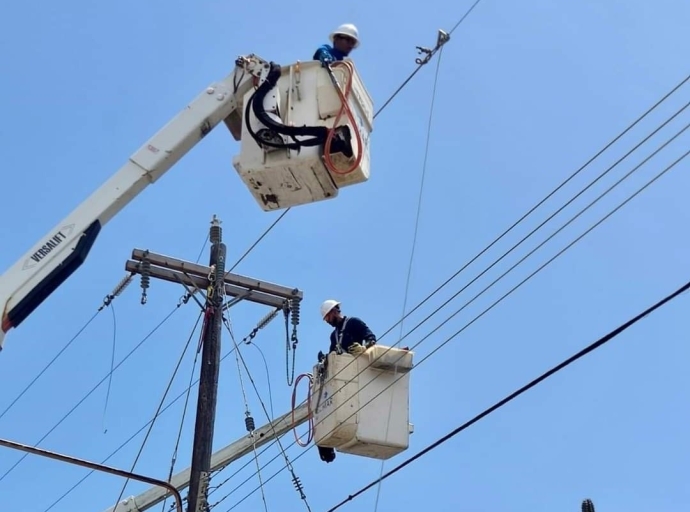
[{"x": 344, "y": 108}]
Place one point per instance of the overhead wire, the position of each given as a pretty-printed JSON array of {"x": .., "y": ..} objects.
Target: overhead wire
[
  {"x": 579, "y": 170},
  {"x": 160, "y": 405},
  {"x": 454, "y": 335},
  {"x": 184, "y": 414},
  {"x": 669, "y": 167},
  {"x": 585, "y": 351},
  {"x": 249, "y": 420},
  {"x": 542, "y": 201},
  {"x": 133, "y": 436},
  {"x": 473, "y": 7},
  {"x": 112, "y": 365},
  {"x": 74, "y": 408},
  {"x": 288, "y": 464},
  {"x": 414, "y": 235},
  {"x": 107, "y": 301},
  {"x": 525, "y": 238},
  {"x": 404, "y": 83}
]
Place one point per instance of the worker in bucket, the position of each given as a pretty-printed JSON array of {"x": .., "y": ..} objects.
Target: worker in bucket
[
  {"x": 350, "y": 334},
  {"x": 344, "y": 39}
]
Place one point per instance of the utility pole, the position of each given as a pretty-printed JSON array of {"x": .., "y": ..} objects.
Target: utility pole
[
  {"x": 208, "y": 380},
  {"x": 218, "y": 284}
]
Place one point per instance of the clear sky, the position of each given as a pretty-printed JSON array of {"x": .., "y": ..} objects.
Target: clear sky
[{"x": 527, "y": 93}]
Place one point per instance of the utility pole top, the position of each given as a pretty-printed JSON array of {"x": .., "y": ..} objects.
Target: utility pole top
[{"x": 211, "y": 287}]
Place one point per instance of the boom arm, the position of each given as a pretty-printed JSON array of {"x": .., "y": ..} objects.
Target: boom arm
[{"x": 38, "y": 273}]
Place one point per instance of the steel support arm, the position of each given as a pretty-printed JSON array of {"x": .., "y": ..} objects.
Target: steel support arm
[{"x": 225, "y": 456}]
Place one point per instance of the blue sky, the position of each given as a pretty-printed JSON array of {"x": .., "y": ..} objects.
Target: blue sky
[{"x": 527, "y": 93}]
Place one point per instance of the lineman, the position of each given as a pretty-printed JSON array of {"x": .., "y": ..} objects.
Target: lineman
[
  {"x": 345, "y": 39},
  {"x": 350, "y": 334}
]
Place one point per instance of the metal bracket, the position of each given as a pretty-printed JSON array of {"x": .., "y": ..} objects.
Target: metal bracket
[{"x": 442, "y": 38}]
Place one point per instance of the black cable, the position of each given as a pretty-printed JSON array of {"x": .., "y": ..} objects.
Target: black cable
[
  {"x": 52, "y": 361},
  {"x": 600, "y": 342},
  {"x": 494, "y": 304},
  {"x": 69, "y": 413},
  {"x": 160, "y": 406},
  {"x": 385, "y": 104},
  {"x": 131, "y": 438},
  {"x": 548, "y": 238}
]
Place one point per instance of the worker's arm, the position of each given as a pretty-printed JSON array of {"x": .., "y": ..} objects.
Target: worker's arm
[
  {"x": 361, "y": 331},
  {"x": 324, "y": 54}
]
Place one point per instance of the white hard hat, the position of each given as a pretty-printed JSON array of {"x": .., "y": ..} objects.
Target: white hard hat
[
  {"x": 346, "y": 29},
  {"x": 327, "y": 306}
]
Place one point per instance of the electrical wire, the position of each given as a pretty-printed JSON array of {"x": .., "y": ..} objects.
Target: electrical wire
[
  {"x": 542, "y": 224},
  {"x": 288, "y": 463},
  {"x": 534, "y": 230},
  {"x": 112, "y": 365},
  {"x": 184, "y": 414},
  {"x": 535, "y": 207},
  {"x": 69, "y": 413},
  {"x": 376, "y": 114},
  {"x": 131, "y": 438},
  {"x": 467, "y": 325},
  {"x": 502, "y": 297},
  {"x": 106, "y": 302},
  {"x": 414, "y": 236},
  {"x": 595, "y": 202},
  {"x": 587, "y": 350},
  {"x": 160, "y": 405},
  {"x": 249, "y": 421}
]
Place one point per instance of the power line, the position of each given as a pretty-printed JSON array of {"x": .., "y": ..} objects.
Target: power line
[
  {"x": 535, "y": 207},
  {"x": 160, "y": 405},
  {"x": 74, "y": 408},
  {"x": 597, "y": 344},
  {"x": 107, "y": 301},
  {"x": 381, "y": 109},
  {"x": 132, "y": 437},
  {"x": 414, "y": 235},
  {"x": 542, "y": 224},
  {"x": 509, "y": 292}
]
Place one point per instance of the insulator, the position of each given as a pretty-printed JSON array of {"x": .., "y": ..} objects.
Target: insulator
[
  {"x": 145, "y": 270},
  {"x": 264, "y": 321},
  {"x": 298, "y": 484},
  {"x": 122, "y": 285},
  {"x": 216, "y": 234},
  {"x": 295, "y": 306},
  {"x": 587, "y": 506},
  {"x": 249, "y": 423}
]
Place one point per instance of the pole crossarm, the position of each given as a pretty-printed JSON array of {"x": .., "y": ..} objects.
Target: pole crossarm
[
  {"x": 221, "y": 458},
  {"x": 197, "y": 276}
]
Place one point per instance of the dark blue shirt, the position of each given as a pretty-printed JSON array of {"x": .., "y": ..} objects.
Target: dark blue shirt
[
  {"x": 353, "y": 330},
  {"x": 329, "y": 53}
]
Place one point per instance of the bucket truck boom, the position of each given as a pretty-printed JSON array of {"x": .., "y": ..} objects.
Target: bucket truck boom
[{"x": 279, "y": 169}]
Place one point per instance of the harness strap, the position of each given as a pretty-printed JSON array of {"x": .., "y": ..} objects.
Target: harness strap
[{"x": 339, "y": 337}]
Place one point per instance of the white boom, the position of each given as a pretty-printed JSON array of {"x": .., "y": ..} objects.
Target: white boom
[
  {"x": 57, "y": 255},
  {"x": 277, "y": 172},
  {"x": 221, "y": 458}
]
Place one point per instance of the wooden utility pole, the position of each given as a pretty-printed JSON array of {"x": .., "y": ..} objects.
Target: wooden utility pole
[
  {"x": 218, "y": 284},
  {"x": 208, "y": 380}
]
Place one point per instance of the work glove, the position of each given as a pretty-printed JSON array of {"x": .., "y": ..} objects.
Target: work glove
[
  {"x": 356, "y": 349},
  {"x": 369, "y": 343}
]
